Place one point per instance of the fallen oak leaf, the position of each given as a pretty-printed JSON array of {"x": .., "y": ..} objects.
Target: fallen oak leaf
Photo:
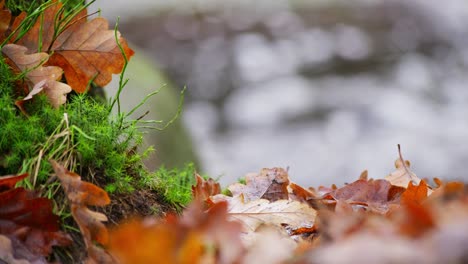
[
  {"x": 285, "y": 213},
  {"x": 270, "y": 245},
  {"x": 377, "y": 195},
  {"x": 417, "y": 219},
  {"x": 13, "y": 251},
  {"x": 403, "y": 175},
  {"x": 195, "y": 237},
  {"x": 9, "y": 181},
  {"x": 86, "y": 50},
  {"x": 310, "y": 196},
  {"x": 5, "y": 19},
  {"x": 203, "y": 189},
  {"x": 29, "y": 219},
  {"x": 415, "y": 194},
  {"x": 270, "y": 184},
  {"x": 41, "y": 78},
  {"x": 82, "y": 194}
]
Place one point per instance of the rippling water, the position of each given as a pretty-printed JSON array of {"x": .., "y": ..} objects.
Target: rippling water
[{"x": 326, "y": 90}]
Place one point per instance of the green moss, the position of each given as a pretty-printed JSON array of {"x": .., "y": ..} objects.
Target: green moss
[
  {"x": 102, "y": 146},
  {"x": 175, "y": 184},
  {"x": 83, "y": 135}
]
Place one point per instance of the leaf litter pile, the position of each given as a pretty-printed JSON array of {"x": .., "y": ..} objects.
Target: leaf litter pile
[{"x": 269, "y": 219}]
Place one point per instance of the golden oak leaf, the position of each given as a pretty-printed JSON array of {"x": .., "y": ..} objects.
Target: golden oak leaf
[
  {"x": 86, "y": 50},
  {"x": 40, "y": 78}
]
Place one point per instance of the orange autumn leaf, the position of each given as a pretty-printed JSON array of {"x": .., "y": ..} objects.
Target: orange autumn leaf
[
  {"x": 195, "y": 237},
  {"x": 39, "y": 77},
  {"x": 203, "y": 189},
  {"x": 86, "y": 50},
  {"x": 140, "y": 241},
  {"x": 418, "y": 220},
  {"x": 301, "y": 194},
  {"x": 415, "y": 194}
]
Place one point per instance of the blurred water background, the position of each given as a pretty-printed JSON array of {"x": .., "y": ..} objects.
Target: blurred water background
[{"x": 325, "y": 88}]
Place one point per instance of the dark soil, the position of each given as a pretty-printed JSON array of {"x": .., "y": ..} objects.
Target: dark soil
[{"x": 139, "y": 203}]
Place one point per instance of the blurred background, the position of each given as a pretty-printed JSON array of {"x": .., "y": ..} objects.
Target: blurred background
[{"x": 325, "y": 88}]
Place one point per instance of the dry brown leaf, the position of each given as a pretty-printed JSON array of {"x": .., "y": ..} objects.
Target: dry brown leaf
[
  {"x": 369, "y": 247},
  {"x": 5, "y": 18},
  {"x": 403, "y": 175},
  {"x": 205, "y": 188},
  {"x": 18, "y": 253},
  {"x": 377, "y": 195},
  {"x": 82, "y": 194},
  {"x": 86, "y": 50},
  {"x": 269, "y": 184},
  {"x": 28, "y": 220},
  {"x": 300, "y": 194},
  {"x": 269, "y": 245},
  {"x": 290, "y": 214},
  {"x": 40, "y": 78}
]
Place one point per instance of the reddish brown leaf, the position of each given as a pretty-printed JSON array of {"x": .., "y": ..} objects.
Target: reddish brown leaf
[
  {"x": 278, "y": 189},
  {"x": 5, "y": 18},
  {"x": 375, "y": 194},
  {"x": 205, "y": 188},
  {"x": 28, "y": 218},
  {"x": 86, "y": 50},
  {"x": 9, "y": 181},
  {"x": 78, "y": 191},
  {"x": 82, "y": 194}
]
